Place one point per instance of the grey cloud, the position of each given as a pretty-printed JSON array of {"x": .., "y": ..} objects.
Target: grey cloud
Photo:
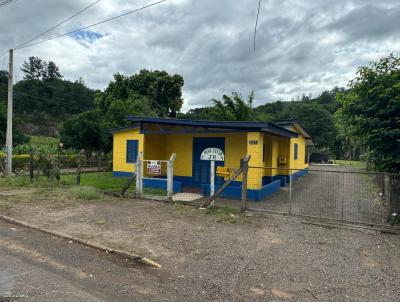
[
  {"x": 369, "y": 22},
  {"x": 303, "y": 46}
]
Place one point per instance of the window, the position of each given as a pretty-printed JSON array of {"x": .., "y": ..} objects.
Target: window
[
  {"x": 296, "y": 151},
  {"x": 131, "y": 151}
]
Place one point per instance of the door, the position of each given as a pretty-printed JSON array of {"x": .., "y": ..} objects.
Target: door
[{"x": 201, "y": 168}]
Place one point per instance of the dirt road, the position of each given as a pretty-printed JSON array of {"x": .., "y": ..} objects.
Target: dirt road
[
  {"x": 206, "y": 256},
  {"x": 38, "y": 267}
]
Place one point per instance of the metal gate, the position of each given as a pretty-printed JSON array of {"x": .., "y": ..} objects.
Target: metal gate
[{"x": 329, "y": 192}]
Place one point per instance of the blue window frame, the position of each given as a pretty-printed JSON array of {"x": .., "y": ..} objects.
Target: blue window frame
[
  {"x": 296, "y": 151},
  {"x": 131, "y": 151}
]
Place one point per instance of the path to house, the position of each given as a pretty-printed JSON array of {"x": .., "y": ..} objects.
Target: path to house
[{"x": 205, "y": 255}]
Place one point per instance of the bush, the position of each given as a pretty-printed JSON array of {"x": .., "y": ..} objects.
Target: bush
[{"x": 84, "y": 192}]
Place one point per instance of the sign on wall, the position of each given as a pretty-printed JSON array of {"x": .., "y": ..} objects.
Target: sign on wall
[
  {"x": 214, "y": 154},
  {"x": 154, "y": 167}
]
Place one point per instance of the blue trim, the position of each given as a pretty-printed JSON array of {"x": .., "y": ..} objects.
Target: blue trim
[
  {"x": 160, "y": 183},
  {"x": 235, "y": 191},
  {"x": 113, "y": 130},
  {"x": 122, "y": 174},
  {"x": 271, "y": 184}
]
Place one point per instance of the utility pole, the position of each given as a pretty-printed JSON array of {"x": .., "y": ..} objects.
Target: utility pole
[{"x": 9, "y": 117}]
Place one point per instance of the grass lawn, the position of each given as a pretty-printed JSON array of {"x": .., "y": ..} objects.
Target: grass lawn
[
  {"x": 352, "y": 163},
  {"x": 100, "y": 180}
]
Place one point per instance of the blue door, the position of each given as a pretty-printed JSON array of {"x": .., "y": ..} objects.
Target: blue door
[{"x": 201, "y": 168}]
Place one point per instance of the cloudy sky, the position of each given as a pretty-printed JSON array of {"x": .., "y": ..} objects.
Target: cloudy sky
[{"x": 303, "y": 46}]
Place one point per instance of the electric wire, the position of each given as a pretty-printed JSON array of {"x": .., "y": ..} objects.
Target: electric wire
[
  {"x": 255, "y": 28},
  {"x": 95, "y": 24},
  {"x": 60, "y": 23}
]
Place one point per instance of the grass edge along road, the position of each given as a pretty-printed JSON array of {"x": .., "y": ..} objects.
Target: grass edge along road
[{"x": 91, "y": 182}]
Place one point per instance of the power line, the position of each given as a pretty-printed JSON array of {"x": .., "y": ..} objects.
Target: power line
[
  {"x": 7, "y": 2},
  {"x": 95, "y": 24},
  {"x": 255, "y": 28},
  {"x": 58, "y": 24}
]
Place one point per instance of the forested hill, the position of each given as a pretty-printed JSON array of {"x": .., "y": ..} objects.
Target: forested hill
[
  {"x": 43, "y": 99},
  {"x": 315, "y": 114}
]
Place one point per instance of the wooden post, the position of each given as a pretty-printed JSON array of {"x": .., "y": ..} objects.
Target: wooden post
[
  {"x": 99, "y": 154},
  {"x": 244, "y": 165},
  {"x": 31, "y": 166},
  {"x": 170, "y": 175},
  {"x": 78, "y": 170}
]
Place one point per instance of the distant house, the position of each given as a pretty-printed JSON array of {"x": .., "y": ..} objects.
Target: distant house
[{"x": 275, "y": 148}]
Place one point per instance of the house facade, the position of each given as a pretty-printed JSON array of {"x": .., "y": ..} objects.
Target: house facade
[{"x": 274, "y": 150}]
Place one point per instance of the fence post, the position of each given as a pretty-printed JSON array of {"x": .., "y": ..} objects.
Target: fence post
[
  {"x": 99, "y": 155},
  {"x": 78, "y": 169},
  {"x": 290, "y": 191},
  {"x": 31, "y": 167},
  {"x": 170, "y": 175},
  {"x": 386, "y": 186},
  {"x": 139, "y": 174},
  {"x": 244, "y": 163}
]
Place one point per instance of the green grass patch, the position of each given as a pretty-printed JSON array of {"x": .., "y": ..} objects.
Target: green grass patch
[
  {"x": 352, "y": 163},
  {"x": 84, "y": 192},
  {"x": 44, "y": 140},
  {"x": 100, "y": 180},
  {"x": 106, "y": 182}
]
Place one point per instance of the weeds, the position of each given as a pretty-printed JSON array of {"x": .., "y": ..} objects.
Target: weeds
[
  {"x": 225, "y": 215},
  {"x": 84, "y": 192}
]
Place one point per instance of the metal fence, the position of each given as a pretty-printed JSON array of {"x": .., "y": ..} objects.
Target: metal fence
[{"x": 328, "y": 193}]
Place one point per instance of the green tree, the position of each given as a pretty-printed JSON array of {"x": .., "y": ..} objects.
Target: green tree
[
  {"x": 33, "y": 69},
  {"x": 233, "y": 108},
  {"x": 162, "y": 91},
  {"x": 316, "y": 120},
  {"x": 52, "y": 71},
  {"x": 372, "y": 108},
  {"x": 18, "y": 135},
  {"x": 118, "y": 111},
  {"x": 3, "y": 86},
  {"x": 85, "y": 131}
]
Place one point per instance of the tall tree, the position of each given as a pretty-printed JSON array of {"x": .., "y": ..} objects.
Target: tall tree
[
  {"x": 372, "y": 107},
  {"x": 162, "y": 90},
  {"x": 33, "y": 69},
  {"x": 85, "y": 131},
  {"x": 234, "y": 107},
  {"x": 52, "y": 71}
]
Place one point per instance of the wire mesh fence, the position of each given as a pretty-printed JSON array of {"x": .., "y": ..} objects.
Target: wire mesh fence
[{"x": 361, "y": 197}]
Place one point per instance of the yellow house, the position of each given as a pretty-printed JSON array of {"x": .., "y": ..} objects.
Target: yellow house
[{"x": 277, "y": 150}]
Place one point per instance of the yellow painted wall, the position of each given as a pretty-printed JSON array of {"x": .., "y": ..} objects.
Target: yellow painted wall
[
  {"x": 237, "y": 145},
  {"x": 300, "y": 163},
  {"x": 182, "y": 145},
  {"x": 256, "y": 160},
  {"x": 119, "y": 149}
]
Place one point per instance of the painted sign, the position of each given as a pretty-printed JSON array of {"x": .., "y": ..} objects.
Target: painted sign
[
  {"x": 154, "y": 167},
  {"x": 213, "y": 154}
]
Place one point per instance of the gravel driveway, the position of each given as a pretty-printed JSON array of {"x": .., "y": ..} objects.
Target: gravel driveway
[
  {"x": 331, "y": 192},
  {"x": 209, "y": 256}
]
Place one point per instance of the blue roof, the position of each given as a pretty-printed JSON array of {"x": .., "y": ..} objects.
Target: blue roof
[{"x": 232, "y": 125}]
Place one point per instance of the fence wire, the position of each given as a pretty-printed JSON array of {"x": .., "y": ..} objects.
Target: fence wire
[{"x": 361, "y": 197}]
